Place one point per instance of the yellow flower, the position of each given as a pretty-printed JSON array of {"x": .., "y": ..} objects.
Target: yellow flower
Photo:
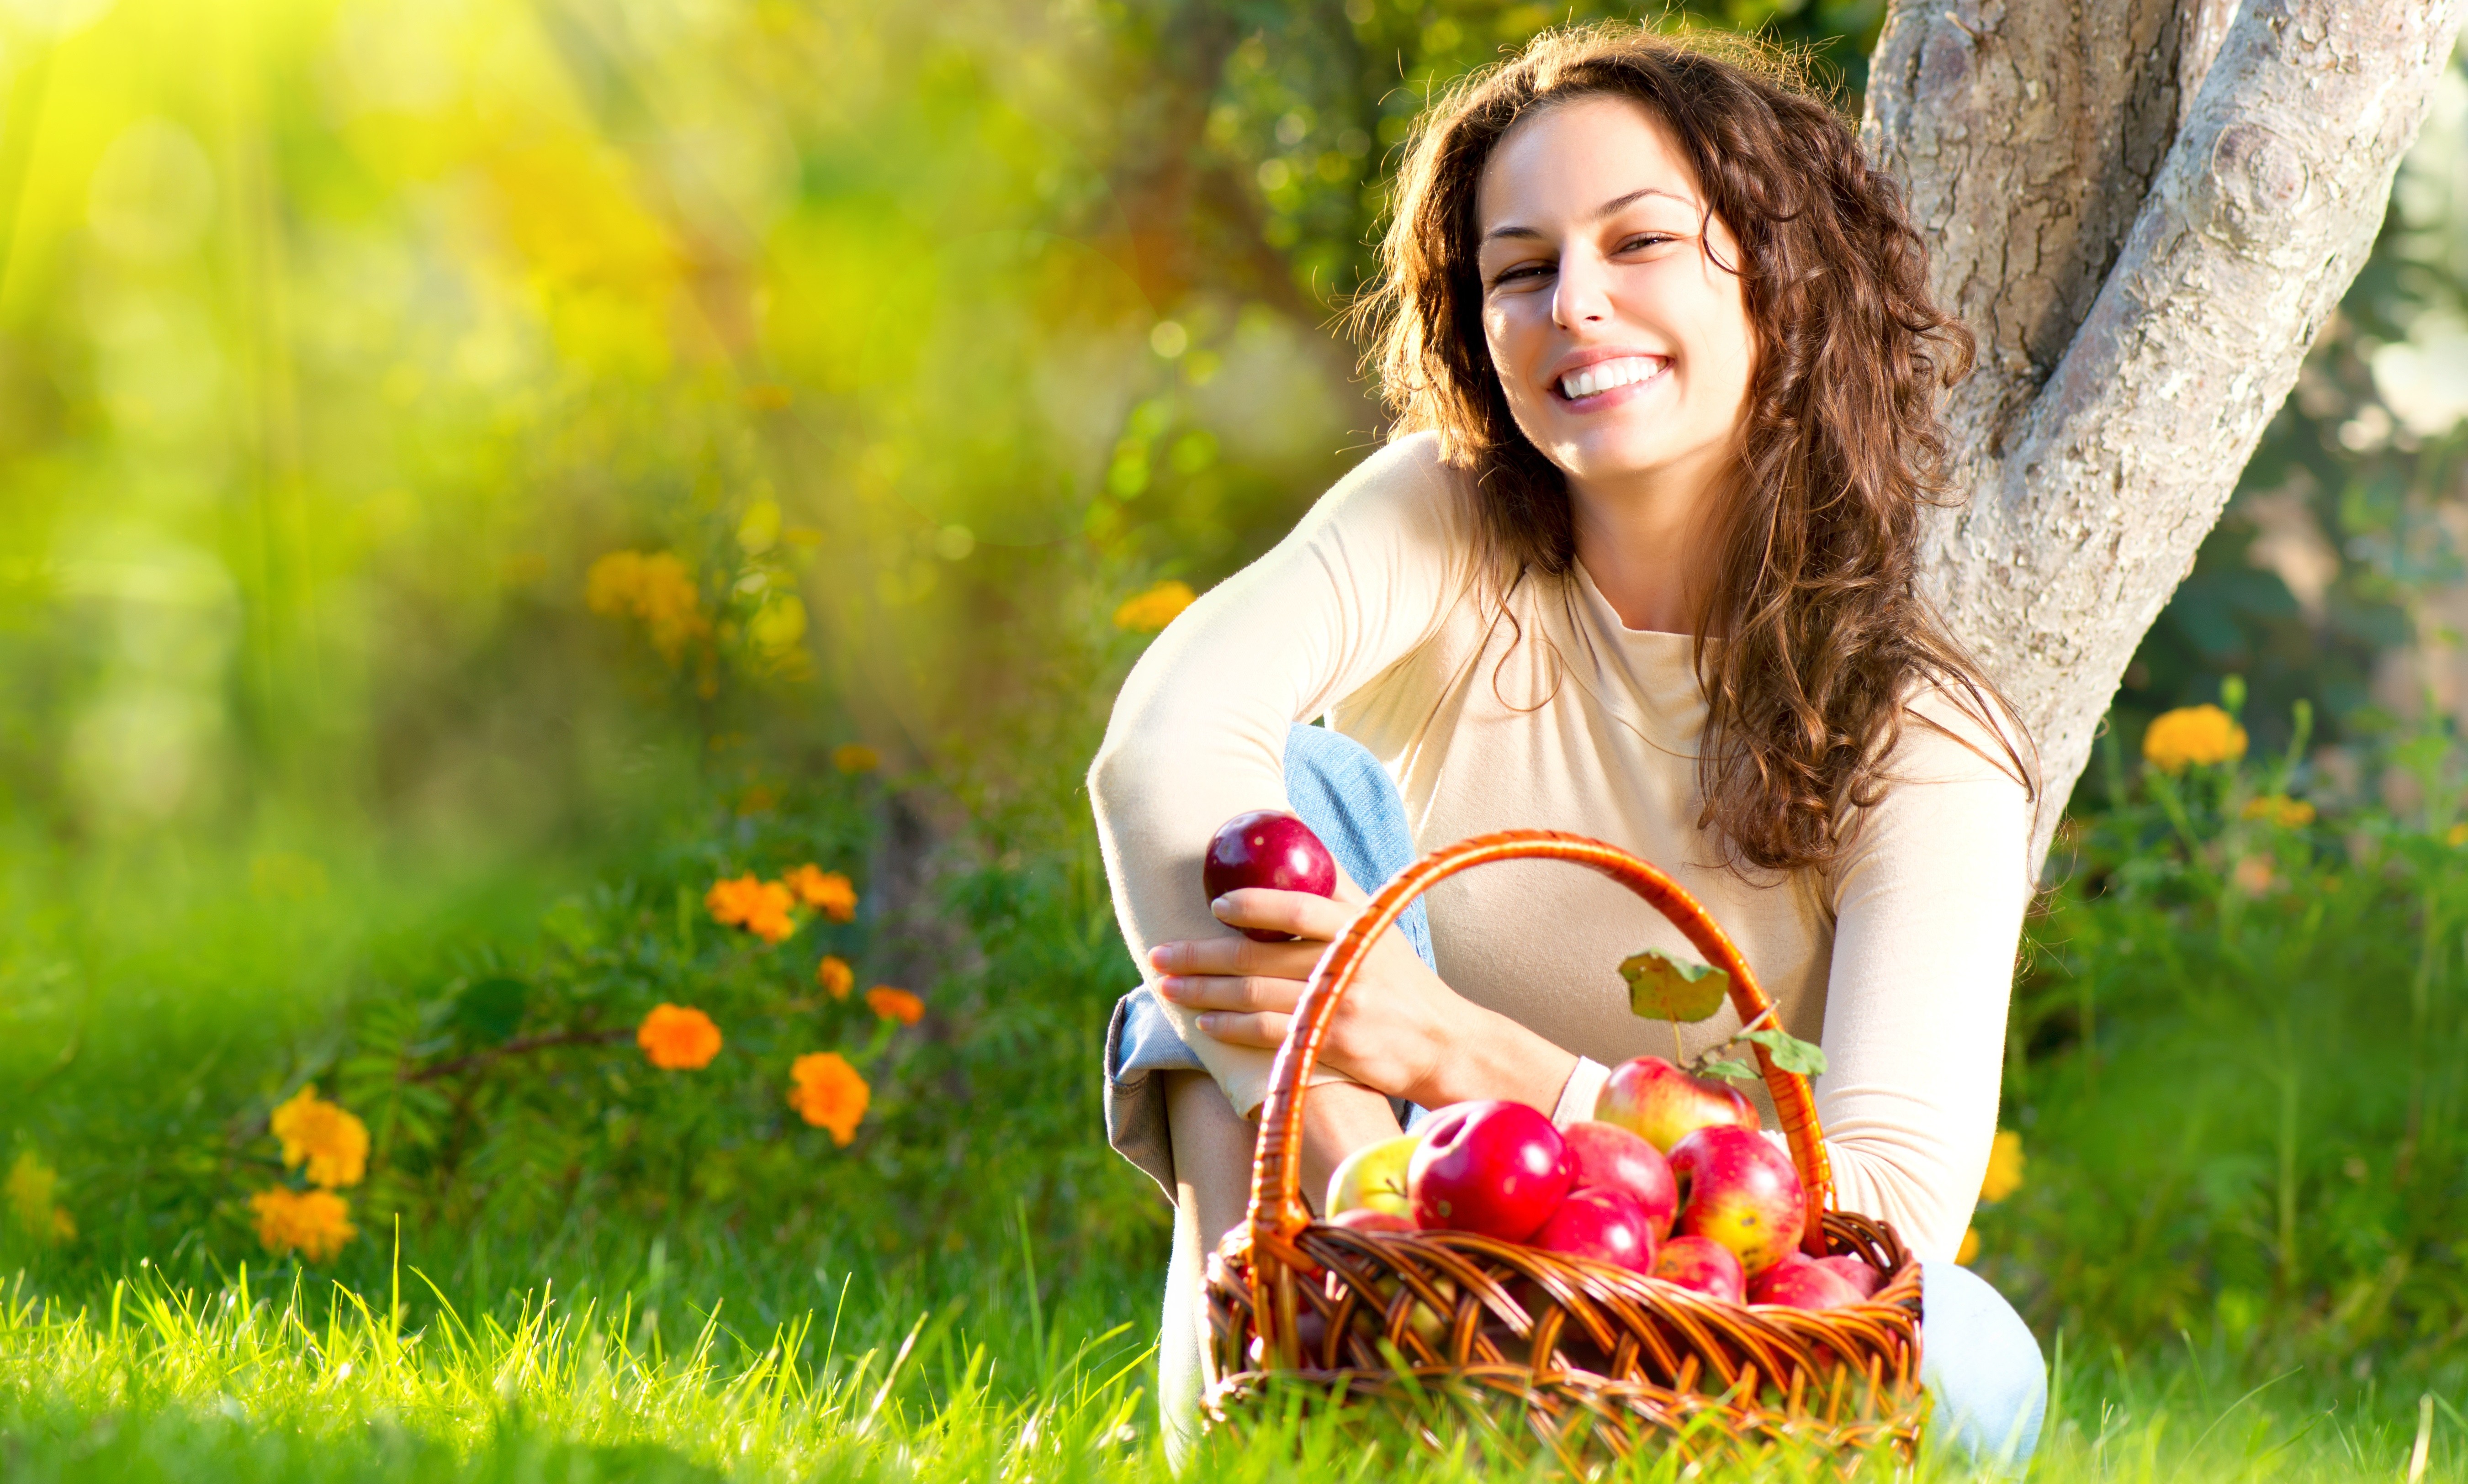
[
  {"x": 1970, "y": 1247},
  {"x": 835, "y": 974},
  {"x": 2192, "y": 735},
  {"x": 29, "y": 1190},
  {"x": 829, "y": 1094},
  {"x": 2282, "y": 811},
  {"x": 827, "y": 890},
  {"x": 856, "y": 758},
  {"x": 1154, "y": 608},
  {"x": 674, "y": 1038},
  {"x": 655, "y": 588},
  {"x": 314, "y": 1223},
  {"x": 761, "y": 907},
  {"x": 2457, "y": 835},
  {"x": 333, "y": 1142},
  {"x": 2004, "y": 1166},
  {"x": 895, "y": 1004}
]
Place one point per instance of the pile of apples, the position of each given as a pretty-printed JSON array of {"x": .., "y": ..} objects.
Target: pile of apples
[{"x": 1670, "y": 1179}]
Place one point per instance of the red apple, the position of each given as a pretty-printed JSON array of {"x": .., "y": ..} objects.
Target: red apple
[
  {"x": 1610, "y": 1157},
  {"x": 1371, "y": 1219},
  {"x": 1738, "y": 1188},
  {"x": 1703, "y": 1264},
  {"x": 1662, "y": 1105},
  {"x": 1268, "y": 847},
  {"x": 1802, "y": 1282},
  {"x": 1495, "y": 1168},
  {"x": 1856, "y": 1272},
  {"x": 1608, "y": 1225}
]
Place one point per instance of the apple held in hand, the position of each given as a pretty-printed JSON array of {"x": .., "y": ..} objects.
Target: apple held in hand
[
  {"x": 1268, "y": 847},
  {"x": 1495, "y": 1168},
  {"x": 1703, "y": 1266},
  {"x": 1802, "y": 1282},
  {"x": 1662, "y": 1105},
  {"x": 1736, "y": 1187},
  {"x": 1373, "y": 1177},
  {"x": 1607, "y": 1225},
  {"x": 1610, "y": 1157}
]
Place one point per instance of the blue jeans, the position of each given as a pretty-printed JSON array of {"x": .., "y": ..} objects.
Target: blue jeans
[{"x": 1978, "y": 1358}]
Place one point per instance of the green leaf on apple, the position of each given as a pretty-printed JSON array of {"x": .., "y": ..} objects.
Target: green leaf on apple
[
  {"x": 1736, "y": 1071},
  {"x": 1790, "y": 1052},
  {"x": 1661, "y": 987}
]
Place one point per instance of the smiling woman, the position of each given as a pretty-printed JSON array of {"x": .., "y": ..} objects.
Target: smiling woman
[{"x": 1637, "y": 565}]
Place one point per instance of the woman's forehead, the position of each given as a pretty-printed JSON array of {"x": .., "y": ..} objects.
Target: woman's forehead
[{"x": 1582, "y": 157}]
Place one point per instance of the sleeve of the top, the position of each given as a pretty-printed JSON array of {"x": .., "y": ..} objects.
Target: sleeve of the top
[
  {"x": 1199, "y": 731},
  {"x": 1929, "y": 901}
]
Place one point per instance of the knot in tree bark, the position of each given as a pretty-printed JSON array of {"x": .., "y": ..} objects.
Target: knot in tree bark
[{"x": 2259, "y": 177}]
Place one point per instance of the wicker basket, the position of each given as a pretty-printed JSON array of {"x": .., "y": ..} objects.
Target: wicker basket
[{"x": 1586, "y": 1360}]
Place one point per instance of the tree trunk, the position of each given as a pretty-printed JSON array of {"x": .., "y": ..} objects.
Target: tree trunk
[{"x": 2145, "y": 210}]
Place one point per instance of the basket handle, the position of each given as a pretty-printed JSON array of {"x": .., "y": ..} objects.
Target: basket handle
[{"x": 1277, "y": 1167}]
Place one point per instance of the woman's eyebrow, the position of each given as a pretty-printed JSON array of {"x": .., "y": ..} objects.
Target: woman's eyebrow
[{"x": 1609, "y": 208}]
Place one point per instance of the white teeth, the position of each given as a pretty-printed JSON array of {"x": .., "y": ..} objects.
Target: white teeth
[{"x": 1603, "y": 375}]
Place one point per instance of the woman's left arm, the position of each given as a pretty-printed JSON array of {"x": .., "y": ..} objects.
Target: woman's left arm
[{"x": 1929, "y": 900}]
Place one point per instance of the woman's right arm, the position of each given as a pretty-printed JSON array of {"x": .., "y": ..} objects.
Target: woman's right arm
[{"x": 1199, "y": 731}]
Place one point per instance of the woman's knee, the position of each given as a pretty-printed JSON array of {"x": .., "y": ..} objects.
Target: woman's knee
[{"x": 1982, "y": 1366}]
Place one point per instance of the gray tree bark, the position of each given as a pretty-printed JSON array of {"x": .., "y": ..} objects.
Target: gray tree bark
[{"x": 2145, "y": 210}]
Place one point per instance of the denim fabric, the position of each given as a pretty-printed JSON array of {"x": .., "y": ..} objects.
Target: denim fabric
[
  {"x": 1341, "y": 790},
  {"x": 1350, "y": 802},
  {"x": 1981, "y": 1367}
]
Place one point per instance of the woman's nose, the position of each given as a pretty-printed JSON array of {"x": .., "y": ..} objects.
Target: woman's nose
[{"x": 1581, "y": 296}]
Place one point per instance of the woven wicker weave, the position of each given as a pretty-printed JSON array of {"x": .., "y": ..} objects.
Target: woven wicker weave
[{"x": 1582, "y": 1357}]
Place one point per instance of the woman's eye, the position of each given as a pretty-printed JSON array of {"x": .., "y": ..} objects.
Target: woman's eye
[
  {"x": 1521, "y": 270},
  {"x": 1645, "y": 239}
]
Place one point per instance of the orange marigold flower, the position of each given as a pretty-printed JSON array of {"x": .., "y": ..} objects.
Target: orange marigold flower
[
  {"x": 656, "y": 588},
  {"x": 2005, "y": 1167},
  {"x": 895, "y": 1004},
  {"x": 2281, "y": 810},
  {"x": 759, "y": 906},
  {"x": 314, "y": 1223},
  {"x": 1151, "y": 611},
  {"x": 826, "y": 890},
  {"x": 676, "y": 1038},
  {"x": 331, "y": 1141},
  {"x": 835, "y": 974},
  {"x": 1970, "y": 1247},
  {"x": 829, "y": 1094},
  {"x": 2192, "y": 735},
  {"x": 856, "y": 758}
]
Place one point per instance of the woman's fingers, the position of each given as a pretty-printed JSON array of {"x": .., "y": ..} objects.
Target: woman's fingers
[
  {"x": 1296, "y": 913},
  {"x": 1236, "y": 956},
  {"x": 1265, "y": 1031},
  {"x": 1220, "y": 993}
]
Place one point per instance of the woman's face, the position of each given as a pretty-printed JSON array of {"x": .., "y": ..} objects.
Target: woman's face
[{"x": 1623, "y": 344}]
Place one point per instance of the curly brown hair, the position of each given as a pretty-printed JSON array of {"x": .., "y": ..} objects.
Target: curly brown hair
[{"x": 1825, "y": 636}]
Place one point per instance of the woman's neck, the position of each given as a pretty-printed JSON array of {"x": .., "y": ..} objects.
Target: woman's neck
[{"x": 1648, "y": 547}]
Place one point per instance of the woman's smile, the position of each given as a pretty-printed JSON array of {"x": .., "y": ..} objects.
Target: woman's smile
[{"x": 1607, "y": 378}]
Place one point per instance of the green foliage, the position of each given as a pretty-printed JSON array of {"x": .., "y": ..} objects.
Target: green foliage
[
  {"x": 2237, "y": 1059},
  {"x": 1665, "y": 986}
]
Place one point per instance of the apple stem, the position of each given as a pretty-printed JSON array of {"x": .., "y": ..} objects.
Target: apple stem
[{"x": 1678, "y": 1050}]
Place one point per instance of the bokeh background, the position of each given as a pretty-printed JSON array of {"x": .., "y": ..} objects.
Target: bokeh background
[{"x": 341, "y": 344}]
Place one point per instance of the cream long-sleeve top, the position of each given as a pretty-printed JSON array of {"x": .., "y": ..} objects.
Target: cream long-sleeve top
[{"x": 1538, "y": 709}]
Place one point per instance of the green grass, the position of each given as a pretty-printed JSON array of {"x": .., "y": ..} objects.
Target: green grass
[{"x": 308, "y": 1381}]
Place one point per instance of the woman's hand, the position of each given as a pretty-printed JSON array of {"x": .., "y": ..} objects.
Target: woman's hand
[{"x": 1399, "y": 1030}]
